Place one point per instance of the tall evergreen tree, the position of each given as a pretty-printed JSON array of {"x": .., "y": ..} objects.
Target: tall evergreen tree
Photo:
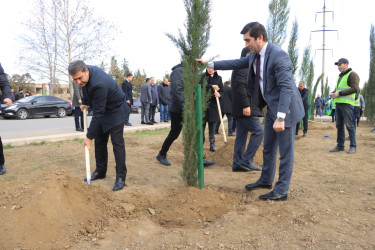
[
  {"x": 305, "y": 65},
  {"x": 115, "y": 72},
  {"x": 138, "y": 79},
  {"x": 369, "y": 88},
  {"x": 309, "y": 81},
  {"x": 193, "y": 46},
  {"x": 277, "y": 21},
  {"x": 292, "y": 48}
]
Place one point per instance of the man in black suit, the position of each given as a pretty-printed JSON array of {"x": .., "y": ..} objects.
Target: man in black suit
[
  {"x": 305, "y": 100},
  {"x": 270, "y": 82},
  {"x": 128, "y": 90},
  {"x": 107, "y": 100},
  {"x": 6, "y": 94}
]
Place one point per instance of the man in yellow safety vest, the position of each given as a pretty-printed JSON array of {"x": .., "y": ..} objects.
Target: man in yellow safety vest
[{"x": 344, "y": 97}]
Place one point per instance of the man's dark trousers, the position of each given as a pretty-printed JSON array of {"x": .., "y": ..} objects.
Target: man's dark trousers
[
  {"x": 2, "y": 159},
  {"x": 78, "y": 116},
  {"x": 244, "y": 126},
  {"x": 101, "y": 151},
  {"x": 356, "y": 116},
  {"x": 305, "y": 121},
  {"x": 176, "y": 127},
  {"x": 128, "y": 109},
  {"x": 285, "y": 142},
  {"x": 344, "y": 117}
]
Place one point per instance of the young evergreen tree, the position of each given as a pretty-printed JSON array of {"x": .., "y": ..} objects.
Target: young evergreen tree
[
  {"x": 193, "y": 46},
  {"x": 292, "y": 48},
  {"x": 305, "y": 65},
  {"x": 115, "y": 71},
  {"x": 369, "y": 88},
  {"x": 277, "y": 21},
  {"x": 309, "y": 81}
]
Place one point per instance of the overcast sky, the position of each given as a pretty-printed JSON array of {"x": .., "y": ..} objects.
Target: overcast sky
[{"x": 142, "y": 25}]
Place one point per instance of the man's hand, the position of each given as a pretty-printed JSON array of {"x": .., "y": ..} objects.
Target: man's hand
[
  {"x": 334, "y": 95},
  {"x": 216, "y": 87},
  {"x": 217, "y": 94},
  {"x": 127, "y": 101},
  {"x": 363, "y": 109},
  {"x": 8, "y": 101},
  {"x": 84, "y": 107},
  {"x": 279, "y": 126},
  {"x": 200, "y": 60},
  {"x": 246, "y": 111},
  {"x": 87, "y": 143}
]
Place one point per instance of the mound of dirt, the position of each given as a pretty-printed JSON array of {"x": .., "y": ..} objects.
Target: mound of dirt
[
  {"x": 191, "y": 207},
  {"x": 52, "y": 211}
]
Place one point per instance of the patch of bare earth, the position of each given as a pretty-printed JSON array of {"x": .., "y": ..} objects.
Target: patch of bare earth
[{"x": 45, "y": 204}]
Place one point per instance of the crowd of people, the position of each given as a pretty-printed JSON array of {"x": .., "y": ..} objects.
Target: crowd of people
[{"x": 256, "y": 83}]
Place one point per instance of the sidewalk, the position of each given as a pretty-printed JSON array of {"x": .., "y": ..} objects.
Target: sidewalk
[{"x": 79, "y": 135}]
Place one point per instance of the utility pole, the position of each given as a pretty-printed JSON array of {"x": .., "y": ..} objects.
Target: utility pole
[{"x": 324, "y": 30}]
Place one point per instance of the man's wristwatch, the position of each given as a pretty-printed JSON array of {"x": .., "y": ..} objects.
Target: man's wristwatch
[{"x": 280, "y": 119}]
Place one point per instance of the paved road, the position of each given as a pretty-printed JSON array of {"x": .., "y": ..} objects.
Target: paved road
[{"x": 40, "y": 126}]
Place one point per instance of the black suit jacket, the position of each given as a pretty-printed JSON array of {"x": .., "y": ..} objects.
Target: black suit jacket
[
  {"x": 127, "y": 88},
  {"x": 107, "y": 101},
  {"x": 4, "y": 85}
]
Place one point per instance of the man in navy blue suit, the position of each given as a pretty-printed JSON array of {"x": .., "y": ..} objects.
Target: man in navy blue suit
[
  {"x": 128, "y": 90},
  {"x": 270, "y": 82},
  {"x": 108, "y": 102}
]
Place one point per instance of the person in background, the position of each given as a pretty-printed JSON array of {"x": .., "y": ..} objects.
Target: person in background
[
  {"x": 164, "y": 93},
  {"x": 318, "y": 105},
  {"x": 305, "y": 100},
  {"x": 155, "y": 99},
  {"x": 76, "y": 102},
  {"x": 359, "y": 107},
  {"x": 127, "y": 88},
  {"x": 211, "y": 116},
  {"x": 13, "y": 97},
  {"x": 6, "y": 96},
  {"x": 146, "y": 100},
  {"x": 226, "y": 108},
  {"x": 19, "y": 95}
]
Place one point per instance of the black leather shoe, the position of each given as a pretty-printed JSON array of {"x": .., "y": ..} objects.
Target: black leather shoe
[
  {"x": 337, "y": 149},
  {"x": 149, "y": 123},
  {"x": 258, "y": 184},
  {"x": 241, "y": 168},
  {"x": 119, "y": 184},
  {"x": 128, "y": 124},
  {"x": 163, "y": 159},
  {"x": 207, "y": 164},
  {"x": 79, "y": 129},
  {"x": 95, "y": 176},
  {"x": 2, "y": 170},
  {"x": 154, "y": 121},
  {"x": 143, "y": 123},
  {"x": 273, "y": 196},
  {"x": 254, "y": 167},
  {"x": 212, "y": 147}
]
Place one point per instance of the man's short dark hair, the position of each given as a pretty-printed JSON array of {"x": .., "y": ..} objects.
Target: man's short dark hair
[
  {"x": 130, "y": 74},
  {"x": 147, "y": 79},
  {"x": 255, "y": 29},
  {"x": 76, "y": 66}
]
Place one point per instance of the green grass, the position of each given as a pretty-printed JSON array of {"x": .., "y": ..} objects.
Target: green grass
[
  {"x": 8, "y": 146},
  {"x": 10, "y": 178},
  {"x": 150, "y": 132},
  {"x": 38, "y": 143},
  {"x": 39, "y": 167}
]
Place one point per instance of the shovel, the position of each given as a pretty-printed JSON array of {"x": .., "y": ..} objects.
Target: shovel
[
  {"x": 87, "y": 153},
  {"x": 221, "y": 118}
]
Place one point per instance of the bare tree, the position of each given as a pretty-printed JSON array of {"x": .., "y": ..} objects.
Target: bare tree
[{"x": 62, "y": 31}]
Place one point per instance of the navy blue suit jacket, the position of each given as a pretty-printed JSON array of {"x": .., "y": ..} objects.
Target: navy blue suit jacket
[
  {"x": 107, "y": 100},
  {"x": 4, "y": 84},
  {"x": 127, "y": 88},
  {"x": 279, "y": 89}
]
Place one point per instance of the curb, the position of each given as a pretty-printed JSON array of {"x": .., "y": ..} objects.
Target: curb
[{"x": 71, "y": 136}]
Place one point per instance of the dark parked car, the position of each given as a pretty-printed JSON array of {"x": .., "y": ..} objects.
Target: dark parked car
[
  {"x": 137, "y": 106},
  {"x": 37, "y": 106}
]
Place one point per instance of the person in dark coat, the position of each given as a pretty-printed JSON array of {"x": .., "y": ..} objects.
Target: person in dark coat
[
  {"x": 155, "y": 99},
  {"x": 77, "y": 101},
  {"x": 146, "y": 101},
  {"x": 107, "y": 100},
  {"x": 127, "y": 88},
  {"x": 247, "y": 118},
  {"x": 164, "y": 92},
  {"x": 226, "y": 108},
  {"x": 305, "y": 100},
  {"x": 176, "y": 111},
  {"x": 19, "y": 95},
  {"x": 6, "y": 98},
  {"x": 211, "y": 116}
]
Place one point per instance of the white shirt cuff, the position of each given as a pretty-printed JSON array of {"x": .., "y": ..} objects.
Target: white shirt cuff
[{"x": 280, "y": 114}]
